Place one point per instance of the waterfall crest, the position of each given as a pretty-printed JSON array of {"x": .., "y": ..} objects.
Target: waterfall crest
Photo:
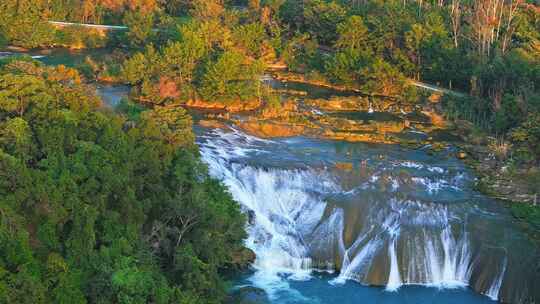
[{"x": 388, "y": 229}]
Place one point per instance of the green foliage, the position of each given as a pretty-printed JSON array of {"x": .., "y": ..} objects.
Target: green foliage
[
  {"x": 136, "y": 69},
  {"x": 3, "y": 40},
  {"x": 79, "y": 37},
  {"x": 140, "y": 26},
  {"x": 229, "y": 78},
  {"x": 321, "y": 19},
  {"x": 508, "y": 116},
  {"x": 251, "y": 37},
  {"x": 22, "y": 24},
  {"x": 344, "y": 67},
  {"x": 16, "y": 137},
  {"x": 527, "y": 135},
  {"x": 383, "y": 78},
  {"x": 173, "y": 123},
  {"x": 206, "y": 9},
  {"x": 353, "y": 34},
  {"x": 197, "y": 66},
  {"x": 98, "y": 209},
  {"x": 528, "y": 213},
  {"x": 130, "y": 109}
]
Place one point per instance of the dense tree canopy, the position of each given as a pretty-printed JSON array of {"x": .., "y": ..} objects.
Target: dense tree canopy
[{"x": 95, "y": 208}]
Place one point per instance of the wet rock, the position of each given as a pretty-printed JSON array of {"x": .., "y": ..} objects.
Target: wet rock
[
  {"x": 301, "y": 77},
  {"x": 251, "y": 217},
  {"x": 438, "y": 147},
  {"x": 344, "y": 166},
  {"x": 407, "y": 123},
  {"x": 290, "y": 92},
  {"x": 271, "y": 129},
  {"x": 212, "y": 124},
  {"x": 436, "y": 119},
  {"x": 248, "y": 295},
  {"x": 340, "y": 104},
  {"x": 358, "y": 137},
  {"x": 230, "y": 106},
  {"x": 243, "y": 258},
  {"x": 284, "y": 110},
  {"x": 435, "y": 97}
]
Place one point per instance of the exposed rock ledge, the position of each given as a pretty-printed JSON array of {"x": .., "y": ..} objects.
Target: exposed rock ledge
[{"x": 229, "y": 106}]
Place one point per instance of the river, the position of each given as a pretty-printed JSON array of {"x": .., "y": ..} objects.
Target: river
[
  {"x": 338, "y": 222},
  {"x": 404, "y": 220}
]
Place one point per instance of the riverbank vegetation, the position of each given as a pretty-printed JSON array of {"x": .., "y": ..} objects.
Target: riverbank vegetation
[
  {"x": 97, "y": 207},
  {"x": 487, "y": 50}
]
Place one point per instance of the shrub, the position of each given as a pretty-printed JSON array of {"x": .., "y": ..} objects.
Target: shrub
[
  {"x": 527, "y": 135},
  {"x": 500, "y": 148}
]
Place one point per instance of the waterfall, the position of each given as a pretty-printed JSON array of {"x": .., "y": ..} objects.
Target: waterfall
[
  {"x": 387, "y": 231},
  {"x": 394, "y": 279},
  {"x": 493, "y": 291},
  {"x": 286, "y": 203},
  {"x": 284, "y": 208}
]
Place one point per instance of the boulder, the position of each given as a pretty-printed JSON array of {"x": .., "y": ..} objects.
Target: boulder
[
  {"x": 461, "y": 155},
  {"x": 243, "y": 258}
]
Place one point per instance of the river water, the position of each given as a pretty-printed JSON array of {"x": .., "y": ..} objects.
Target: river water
[
  {"x": 403, "y": 220},
  {"x": 338, "y": 222}
]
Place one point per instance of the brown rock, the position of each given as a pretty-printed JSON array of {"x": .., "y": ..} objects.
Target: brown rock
[
  {"x": 212, "y": 124},
  {"x": 344, "y": 166},
  {"x": 243, "y": 258},
  {"x": 436, "y": 119},
  {"x": 284, "y": 110},
  {"x": 435, "y": 97},
  {"x": 231, "y": 106},
  {"x": 271, "y": 129}
]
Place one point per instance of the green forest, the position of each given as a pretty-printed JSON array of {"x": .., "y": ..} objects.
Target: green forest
[
  {"x": 101, "y": 208},
  {"x": 98, "y": 206}
]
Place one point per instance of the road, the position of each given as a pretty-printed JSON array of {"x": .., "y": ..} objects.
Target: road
[
  {"x": 435, "y": 88},
  {"x": 95, "y": 26}
]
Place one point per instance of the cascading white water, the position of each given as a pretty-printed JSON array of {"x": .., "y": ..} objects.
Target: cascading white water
[
  {"x": 448, "y": 261},
  {"x": 394, "y": 278},
  {"x": 287, "y": 204},
  {"x": 294, "y": 230},
  {"x": 493, "y": 291}
]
